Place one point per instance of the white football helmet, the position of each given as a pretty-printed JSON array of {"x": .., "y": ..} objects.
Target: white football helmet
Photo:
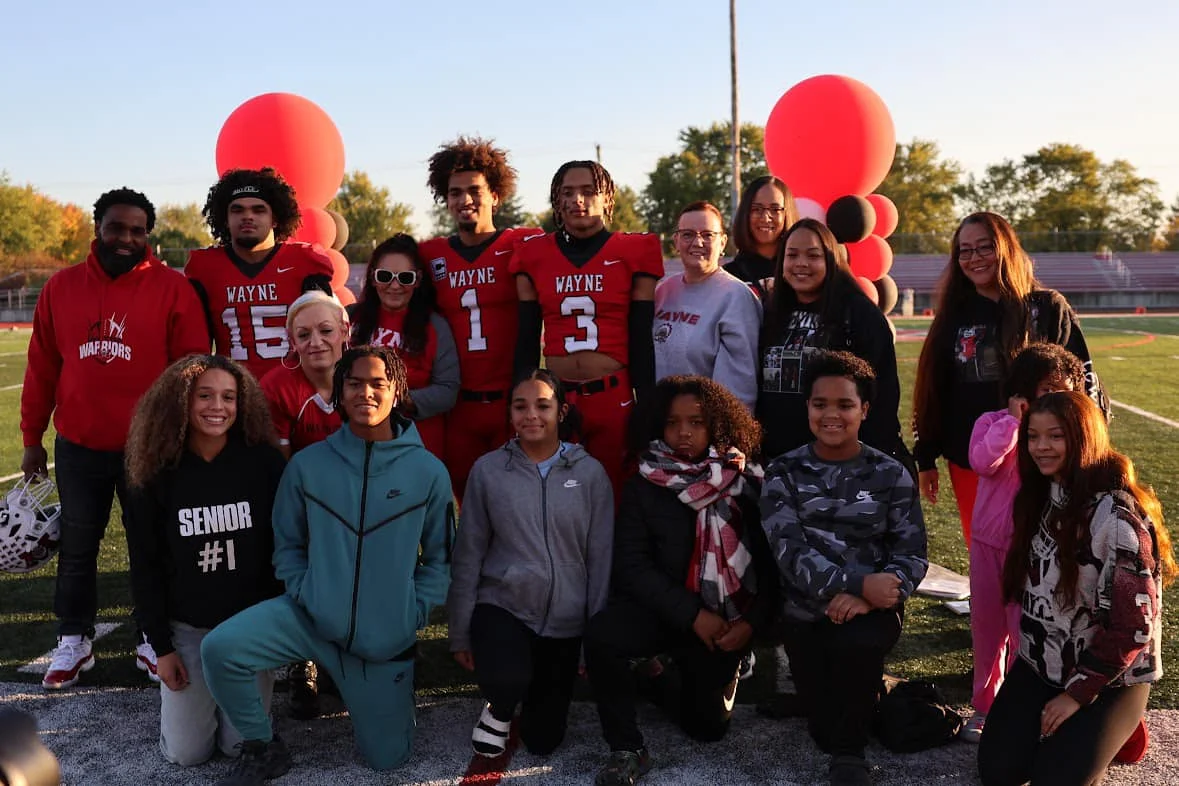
[{"x": 30, "y": 530}]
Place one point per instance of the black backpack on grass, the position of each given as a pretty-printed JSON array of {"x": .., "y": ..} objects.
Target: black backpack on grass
[{"x": 913, "y": 715}]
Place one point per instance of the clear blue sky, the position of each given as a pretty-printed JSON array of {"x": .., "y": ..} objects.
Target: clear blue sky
[{"x": 97, "y": 95}]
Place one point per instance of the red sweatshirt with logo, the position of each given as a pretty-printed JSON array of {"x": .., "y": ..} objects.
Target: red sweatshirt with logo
[{"x": 99, "y": 343}]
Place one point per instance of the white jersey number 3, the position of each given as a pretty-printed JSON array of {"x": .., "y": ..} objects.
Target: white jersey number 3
[
  {"x": 581, "y": 306},
  {"x": 270, "y": 341}
]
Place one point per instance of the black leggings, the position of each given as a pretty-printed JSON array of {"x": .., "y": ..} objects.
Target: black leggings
[
  {"x": 513, "y": 665},
  {"x": 1011, "y": 752}
]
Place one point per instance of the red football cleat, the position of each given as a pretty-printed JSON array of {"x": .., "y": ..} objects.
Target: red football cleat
[{"x": 1135, "y": 747}]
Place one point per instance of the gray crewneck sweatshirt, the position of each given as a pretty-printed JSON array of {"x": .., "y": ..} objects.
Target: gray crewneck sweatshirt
[{"x": 709, "y": 328}]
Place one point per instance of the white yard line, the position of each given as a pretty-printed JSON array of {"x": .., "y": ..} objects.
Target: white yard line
[
  {"x": 7, "y": 478},
  {"x": 39, "y": 665},
  {"x": 13, "y": 387},
  {"x": 1146, "y": 414}
]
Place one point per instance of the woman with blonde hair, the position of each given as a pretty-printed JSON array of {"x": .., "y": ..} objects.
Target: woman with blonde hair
[
  {"x": 202, "y": 472},
  {"x": 300, "y": 395},
  {"x": 990, "y": 307}
]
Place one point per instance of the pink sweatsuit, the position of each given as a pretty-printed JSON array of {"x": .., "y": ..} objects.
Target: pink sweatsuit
[{"x": 994, "y": 624}]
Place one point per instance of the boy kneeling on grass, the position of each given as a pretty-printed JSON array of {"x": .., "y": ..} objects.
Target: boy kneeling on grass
[{"x": 844, "y": 523}]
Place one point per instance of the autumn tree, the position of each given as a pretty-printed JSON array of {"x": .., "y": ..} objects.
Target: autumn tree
[
  {"x": 370, "y": 212},
  {"x": 1063, "y": 198},
  {"x": 922, "y": 185},
  {"x": 179, "y": 228},
  {"x": 702, "y": 169}
]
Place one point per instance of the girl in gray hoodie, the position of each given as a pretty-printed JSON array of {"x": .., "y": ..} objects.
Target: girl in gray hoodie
[{"x": 531, "y": 564}]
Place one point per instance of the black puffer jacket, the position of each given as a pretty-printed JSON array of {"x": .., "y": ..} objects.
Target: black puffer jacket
[{"x": 654, "y": 537}]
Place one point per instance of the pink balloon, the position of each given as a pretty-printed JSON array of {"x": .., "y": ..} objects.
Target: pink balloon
[
  {"x": 340, "y": 269},
  {"x": 829, "y": 136},
  {"x": 345, "y": 296},
  {"x": 887, "y": 217},
  {"x": 291, "y": 134},
  {"x": 318, "y": 226},
  {"x": 809, "y": 208},
  {"x": 870, "y": 258},
  {"x": 869, "y": 289}
]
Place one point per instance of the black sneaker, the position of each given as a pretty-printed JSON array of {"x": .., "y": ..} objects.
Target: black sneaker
[
  {"x": 303, "y": 680},
  {"x": 260, "y": 761},
  {"x": 624, "y": 768},
  {"x": 847, "y": 770}
]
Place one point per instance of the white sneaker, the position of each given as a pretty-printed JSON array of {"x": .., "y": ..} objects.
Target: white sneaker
[
  {"x": 70, "y": 659},
  {"x": 972, "y": 730},
  {"x": 145, "y": 660}
]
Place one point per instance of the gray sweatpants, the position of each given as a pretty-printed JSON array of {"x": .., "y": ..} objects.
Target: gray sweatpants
[{"x": 192, "y": 726}]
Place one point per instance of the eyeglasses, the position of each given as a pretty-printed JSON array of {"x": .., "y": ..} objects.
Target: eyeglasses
[
  {"x": 689, "y": 236},
  {"x": 982, "y": 251},
  {"x": 406, "y": 278},
  {"x": 773, "y": 211}
]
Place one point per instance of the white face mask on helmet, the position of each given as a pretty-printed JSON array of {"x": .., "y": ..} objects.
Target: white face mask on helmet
[{"x": 30, "y": 529}]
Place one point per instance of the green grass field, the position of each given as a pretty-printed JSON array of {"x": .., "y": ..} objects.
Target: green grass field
[{"x": 1136, "y": 356}]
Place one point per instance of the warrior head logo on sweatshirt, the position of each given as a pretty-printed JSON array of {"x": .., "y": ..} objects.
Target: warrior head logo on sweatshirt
[{"x": 105, "y": 340}]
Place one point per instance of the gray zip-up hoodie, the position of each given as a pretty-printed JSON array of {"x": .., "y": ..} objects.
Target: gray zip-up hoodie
[{"x": 539, "y": 548}]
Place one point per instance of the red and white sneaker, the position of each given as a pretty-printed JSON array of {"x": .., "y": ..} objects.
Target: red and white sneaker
[
  {"x": 70, "y": 659},
  {"x": 145, "y": 661}
]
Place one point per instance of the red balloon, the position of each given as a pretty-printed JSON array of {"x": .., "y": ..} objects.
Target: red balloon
[
  {"x": 318, "y": 226},
  {"x": 345, "y": 296},
  {"x": 887, "y": 217},
  {"x": 871, "y": 258},
  {"x": 340, "y": 269},
  {"x": 829, "y": 136},
  {"x": 291, "y": 134},
  {"x": 869, "y": 289}
]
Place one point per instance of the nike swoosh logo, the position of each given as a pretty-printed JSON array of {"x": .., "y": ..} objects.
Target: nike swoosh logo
[
  {"x": 610, "y": 262},
  {"x": 284, "y": 269},
  {"x": 730, "y": 697},
  {"x": 627, "y": 403},
  {"x": 501, "y": 253}
]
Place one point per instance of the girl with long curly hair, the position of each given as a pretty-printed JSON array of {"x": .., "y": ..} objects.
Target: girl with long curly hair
[
  {"x": 989, "y": 307},
  {"x": 398, "y": 309},
  {"x": 1089, "y": 557},
  {"x": 202, "y": 472},
  {"x": 693, "y": 577}
]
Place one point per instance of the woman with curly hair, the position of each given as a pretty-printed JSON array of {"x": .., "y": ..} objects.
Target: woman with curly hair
[
  {"x": 1089, "y": 557},
  {"x": 397, "y": 309},
  {"x": 817, "y": 305},
  {"x": 202, "y": 472},
  {"x": 990, "y": 307},
  {"x": 249, "y": 279},
  {"x": 693, "y": 578}
]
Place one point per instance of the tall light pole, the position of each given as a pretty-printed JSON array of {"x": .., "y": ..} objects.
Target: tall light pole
[{"x": 736, "y": 196}]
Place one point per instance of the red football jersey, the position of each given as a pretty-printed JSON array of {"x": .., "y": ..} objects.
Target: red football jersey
[
  {"x": 478, "y": 301},
  {"x": 301, "y": 417},
  {"x": 586, "y": 308},
  {"x": 419, "y": 365},
  {"x": 248, "y": 305}
]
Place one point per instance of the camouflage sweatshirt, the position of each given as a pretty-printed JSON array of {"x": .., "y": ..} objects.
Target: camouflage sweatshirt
[
  {"x": 1110, "y": 634},
  {"x": 832, "y": 523}
]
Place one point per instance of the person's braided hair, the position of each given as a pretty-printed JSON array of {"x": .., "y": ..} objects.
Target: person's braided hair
[
  {"x": 272, "y": 189},
  {"x": 603, "y": 184}
]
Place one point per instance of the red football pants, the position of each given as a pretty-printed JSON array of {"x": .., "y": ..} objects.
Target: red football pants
[
  {"x": 605, "y": 415},
  {"x": 472, "y": 429}
]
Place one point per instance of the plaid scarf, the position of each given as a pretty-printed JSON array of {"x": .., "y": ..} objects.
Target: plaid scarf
[{"x": 722, "y": 570}]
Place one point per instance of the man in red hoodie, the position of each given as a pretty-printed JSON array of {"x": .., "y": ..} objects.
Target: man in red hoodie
[{"x": 102, "y": 332}]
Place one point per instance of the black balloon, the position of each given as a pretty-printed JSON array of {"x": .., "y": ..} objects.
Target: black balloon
[
  {"x": 851, "y": 218},
  {"x": 341, "y": 230},
  {"x": 887, "y": 289}
]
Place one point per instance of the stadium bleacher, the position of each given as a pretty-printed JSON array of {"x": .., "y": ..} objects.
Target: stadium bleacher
[{"x": 1066, "y": 272}]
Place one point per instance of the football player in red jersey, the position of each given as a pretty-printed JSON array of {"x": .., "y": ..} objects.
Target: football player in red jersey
[
  {"x": 476, "y": 294},
  {"x": 248, "y": 281},
  {"x": 593, "y": 291}
]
